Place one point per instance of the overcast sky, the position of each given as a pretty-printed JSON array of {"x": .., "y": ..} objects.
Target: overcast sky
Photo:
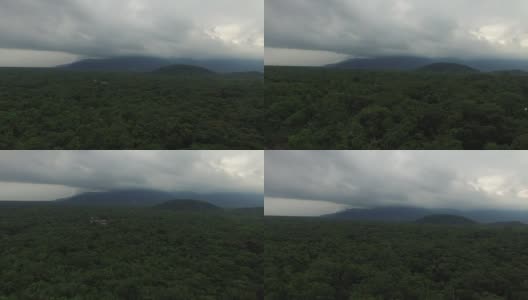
[
  {"x": 51, "y": 32},
  {"x": 319, "y": 182},
  {"x": 48, "y": 175},
  {"x": 314, "y": 32}
]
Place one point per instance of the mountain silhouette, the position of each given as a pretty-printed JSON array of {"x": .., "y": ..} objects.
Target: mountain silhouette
[
  {"x": 186, "y": 70},
  {"x": 447, "y": 68},
  {"x": 406, "y": 63},
  {"x": 188, "y": 205},
  {"x": 132, "y": 197},
  {"x": 146, "y": 197},
  {"x": 149, "y": 64},
  {"x": 445, "y": 220},
  {"x": 384, "y": 63},
  {"x": 411, "y": 214},
  {"x": 382, "y": 214}
]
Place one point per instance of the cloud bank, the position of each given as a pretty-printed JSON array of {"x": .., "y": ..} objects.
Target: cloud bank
[
  {"x": 450, "y": 28},
  {"x": 46, "y": 175},
  {"x": 101, "y": 28},
  {"x": 430, "y": 179}
]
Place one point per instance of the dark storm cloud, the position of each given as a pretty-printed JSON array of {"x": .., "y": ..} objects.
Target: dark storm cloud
[
  {"x": 435, "y": 179},
  {"x": 461, "y": 28},
  {"x": 101, "y": 28},
  {"x": 25, "y": 173}
]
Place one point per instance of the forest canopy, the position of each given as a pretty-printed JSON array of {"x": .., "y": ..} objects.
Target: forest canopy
[
  {"x": 325, "y": 108},
  {"x": 58, "y": 252},
  {"x": 59, "y": 109},
  {"x": 309, "y": 259}
]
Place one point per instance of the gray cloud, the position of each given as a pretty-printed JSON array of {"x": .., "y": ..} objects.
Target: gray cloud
[
  {"x": 100, "y": 28},
  {"x": 300, "y": 208},
  {"x": 431, "y": 28},
  {"x": 24, "y": 174},
  {"x": 31, "y": 58},
  {"x": 432, "y": 179}
]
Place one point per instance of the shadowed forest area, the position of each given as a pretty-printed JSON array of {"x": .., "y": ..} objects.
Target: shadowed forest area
[
  {"x": 325, "y": 108},
  {"x": 55, "y": 252},
  {"x": 58, "y": 109},
  {"x": 321, "y": 259}
]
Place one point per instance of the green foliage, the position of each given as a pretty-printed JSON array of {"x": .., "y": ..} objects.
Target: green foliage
[
  {"x": 56, "y": 109},
  {"x": 322, "y": 259},
  {"x": 57, "y": 253},
  {"x": 317, "y": 108}
]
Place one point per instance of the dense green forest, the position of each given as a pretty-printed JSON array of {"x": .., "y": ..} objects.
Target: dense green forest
[
  {"x": 321, "y": 259},
  {"x": 324, "y": 108},
  {"x": 58, "y": 109},
  {"x": 128, "y": 253}
]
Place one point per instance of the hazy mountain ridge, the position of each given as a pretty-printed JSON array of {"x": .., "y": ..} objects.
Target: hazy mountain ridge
[
  {"x": 188, "y": 205},
  {"x": 184, "y": 70},
  {"x": 447, "y": 68},
  {"x": 143, "y": 197},
  {"x": 119, "y": 198},
  {"x": 411, "y": 214},
  {"x": 406, "y": 63},
  {"x": 445, "y": 220},
  {"x": 150, "y": 64},
  {"x": 383, "y": 63}
]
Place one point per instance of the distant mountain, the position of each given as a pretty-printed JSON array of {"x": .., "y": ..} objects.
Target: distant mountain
[
  {"x": 494, "y": 216},
  {"x": 410, "y": 214},
  {"x": 226, "y": 65},
  {"x": 132, "y": 197},
  {"x": 447, "y": 68},
  {"x": 188, "y": 205},
  {"x": 381, "y": 214},
  {"x": 225, "y": 200},
  {"x": 445, "y": 220},
  {"x": 384, "y": 63},
  {"x": 184, "y": 70},
  {"x": 405, "y": 63},
  {"x": 149, "y": 64},
  {"x": 144, "y": 197},
  {"x": 490, "y": 65},
  {"x": 123, "y": 64}
]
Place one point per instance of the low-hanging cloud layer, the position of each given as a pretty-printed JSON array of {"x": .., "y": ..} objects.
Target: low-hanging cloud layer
[
  {"x": 356, "y": 28},
  {"x": 47, "y": 175},
  {"x": 365, "y": 179},
  {"x": 70, "y": 29}
]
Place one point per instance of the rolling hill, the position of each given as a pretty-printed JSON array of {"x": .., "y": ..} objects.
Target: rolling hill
[
  {"x": 381, "y": 214},
  {"x": 145, "y": 197},
  {"x": 150, "y": 64},
  {"x": 122, "y": 64},
  {"x": 447, "y": 68},
  {"x": 185, "y": 70},
  {"x": 188, "y": 205},
  {"x": 403, "y": 63},
  {"x": 411, "y": 214},
  {"x": 445, "y": 220},
  {"x": 225, "y": 199},
  {"x": 132, "y": 197},
  {"x": 384, "y": 63}
]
